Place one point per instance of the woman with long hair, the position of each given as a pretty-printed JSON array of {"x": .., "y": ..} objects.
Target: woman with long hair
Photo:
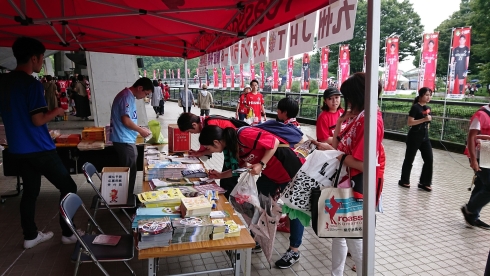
[
  {"x": 350, "y": 140},
  {"x": 276, "y": 164},
  {"x": 156, "y": 97},
  {"x": 83, "y": 103},
  {"x": 419, "y": 119}
]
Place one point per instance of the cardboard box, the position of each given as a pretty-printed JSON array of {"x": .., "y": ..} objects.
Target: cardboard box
[
  {"x": 69, "y": 139},
  {"x": 178, "y": 141},
  {"x": 94, "y": 133},
  {"x": 115, "y": 184}
]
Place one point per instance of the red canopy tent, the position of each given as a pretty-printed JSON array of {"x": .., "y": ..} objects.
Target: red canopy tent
[{"x": 172, "y": 28}]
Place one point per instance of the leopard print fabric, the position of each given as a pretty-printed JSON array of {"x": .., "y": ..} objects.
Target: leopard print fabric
[{"x": 297, "y": 194}]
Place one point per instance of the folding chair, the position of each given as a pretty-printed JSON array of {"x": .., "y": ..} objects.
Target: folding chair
[
  {"x": 98, "y": 201},
  {"x": 122, "y": 252}
]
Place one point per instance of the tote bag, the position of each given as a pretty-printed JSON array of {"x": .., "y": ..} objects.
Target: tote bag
[
  {"x": 320, "y": 170},
  {"x": 336, "y": 213}
]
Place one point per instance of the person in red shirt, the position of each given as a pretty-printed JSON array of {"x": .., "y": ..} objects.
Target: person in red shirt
[
  {"x": 332, "y": 110},
  {"x": 429, "y": 58},
  {"x": 61, "y": 84},
  {"x": 275, "y": 165},
  {"x": 242, "y": 108},
  {"x": 64, "y": 104},
  {"x": 255, "y": 100}
]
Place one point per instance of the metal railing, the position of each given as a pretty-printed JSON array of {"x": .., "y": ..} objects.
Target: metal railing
[{"x": 395, "y": 111}]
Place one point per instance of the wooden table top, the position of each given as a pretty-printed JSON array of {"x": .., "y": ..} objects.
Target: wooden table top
[{"x": 243, "y": 242}]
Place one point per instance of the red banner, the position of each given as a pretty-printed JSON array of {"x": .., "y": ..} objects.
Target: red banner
[
  {"x": 262, "y": 75},
  {"x": 164, "y": 73},
  {"x": 158, "y": 74},
  {"x": 428, "y": 60},
  {"x": 223, "y": 76},
  {"x": 289, "y": 77},
  {"x": 242, "y": 81},
  {"x": 391, "y": 65},
  {"x": 232, "y": 76},
  {"x": 275, "y": 76},
  {"x": 458, "y": 65},
  {"x": 189, "y": 73},
  {"x": 178, "y": 73},
  {"x": 344, "y": 64},
  {"x": 306, "y": 72},
  {"x": 324, "y": 68},
  {"x": 215, "y": 77},
  {"x": 144, "y": 73},
  {"x": 252, "y": 70}
]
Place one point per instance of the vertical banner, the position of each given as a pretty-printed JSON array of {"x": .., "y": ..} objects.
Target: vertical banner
[
  {"x": 154, "y": 74},
  {"x": 189, "y": 73},
  {"x": 223, "y": 76},
  {"x": 324, "y": 68},
  {"x": 158, "y": 75},
  {"x": 178, "y": 73},
  {"x": 364, "y": 61},
  {"x": 306, "y": 73},
  {"x": 301, "y": 34},
  {"x": 224, "y": 56},
  {"x": 289, "y": 77},
  {"x": 278, "y": 42},
  {"x": 144, "y": 73},
  {"x": 259, "y": 46},
  {"x": 344, "y": 64},
  {"x": 209, "y": 60},
  {"x": 336, "y": 22},
  {"x": 252, "y": 70},
  {"x": 428, "y": 60},
  {"x": 391, "y": 65},
  {"x": 458, "y": 65},
  {"x": 164, "y": 73},
  {"x": 215, "y": 77},
  {"x": 262, "y": 75},
  {"x": 232, "y": 76},
  {"x": 235, "y": 53},
  {"x": 242, "y": 80},
  {"x": 245, "y": 50},
  {"x": 275, "y": 76}
]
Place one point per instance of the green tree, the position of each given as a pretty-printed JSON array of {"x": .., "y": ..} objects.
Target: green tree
[{"x": 479, "y": 20}]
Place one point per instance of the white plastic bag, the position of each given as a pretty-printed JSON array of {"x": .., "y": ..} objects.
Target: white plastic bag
[
  {"x": 318, "y": 171},
  {"x": 246, "y": 190}
]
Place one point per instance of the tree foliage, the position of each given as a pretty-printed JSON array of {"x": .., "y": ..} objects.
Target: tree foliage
[{"x": 479, "y": 20}]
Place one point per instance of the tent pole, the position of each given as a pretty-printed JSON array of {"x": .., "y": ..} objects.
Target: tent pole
[
  {"x": 370, "y": 128},
  {"x": 186, "y": 86}
]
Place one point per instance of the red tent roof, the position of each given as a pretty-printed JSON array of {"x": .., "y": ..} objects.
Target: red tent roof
[{"x": 145, "y": 27}]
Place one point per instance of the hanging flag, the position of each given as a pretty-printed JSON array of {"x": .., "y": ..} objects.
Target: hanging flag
[
  {"x": 232, "y": 77},
  {"x": 158, "y": 73},
  {"x": 391, "y": 65},
  {"x": 188, "y": 73},
  {"x": 154, "y": 74},
  {"x": 259, "y": 46},
  {"x": 215, "y": 77},
  {"x": 235, "y": 53},
  {"x": 306, "y": 73},
  {"x": 324, "y": 68},
  {"x": 364, "y": 61},
  {"x": 344, "y": 64},
  {"x": 278, "y": 42},
  {"x": 242, "y": 80},
  {"x": 224, "y": 56},
  {"x": 252, "y": 70},
  {"x": 223, "y": 77},
  {"x": 289, "y": 77},
  {"x": 178, "y": 73},
  {"x": 428, "y": 60},
  {"x": 275, "y": 76},
  {"x": 262, "y": 75},
  {"x": 336, "y": 22},
  {"x": 301, "y": 34},
  {"x": 245, "y": 50},
  {"x": 207, "y": 76},
  {"x": 458, "y": 65},
  {"x": 144, "y": 73}
]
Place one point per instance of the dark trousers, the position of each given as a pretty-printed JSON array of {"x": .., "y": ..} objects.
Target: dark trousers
[
  {"x": 127, "y": 155},
  {"x": 415, "y": 142},
  {"x": 162, "y": 107},
  {"x": 188, "y": 109},
  {"x": 242, "y": 116},
  {"x": 32, "y": 167},
  {"x": 228, "y": 183},
  {"x": 480, "y": 196},
  {"x": 487, "y": 268},
  {"x": 205, "y": 112}
]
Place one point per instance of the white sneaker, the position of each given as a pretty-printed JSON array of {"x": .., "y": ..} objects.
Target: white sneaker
[
  {"x": 41, "y": 237},
  {"x": 72, "y": 239}
]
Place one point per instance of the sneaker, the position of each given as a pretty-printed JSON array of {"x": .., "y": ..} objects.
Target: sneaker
[
  {"x": 72, "y": 239},
  {"x": 41, "y": 237},
  {"x": 470, "y": 222},
  {"x": 158, "y": 116},
  {"x": 257, "y": 248},
  {"x": 482, "y": 225},
  {"x": 288, "y": 259}
]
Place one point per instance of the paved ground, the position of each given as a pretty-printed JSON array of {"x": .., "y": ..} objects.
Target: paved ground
[{"x": 419, "y": 233}]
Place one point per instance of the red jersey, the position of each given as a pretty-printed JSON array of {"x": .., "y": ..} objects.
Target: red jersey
[
  {"x": 345, "y": 70},
  {"x": 242, "y": 105},
  {"x": 325, "y": 125},
  {"x": 255, "y": 101},
  {"x": 293, "y": 122},
  {"x": 61, "y": 85},
  {"x": 221, "y": 123},
  {"x": 64, "y": 103},
  {"x": 430, "y": 59},
  {"x": 247, "y": 138}
]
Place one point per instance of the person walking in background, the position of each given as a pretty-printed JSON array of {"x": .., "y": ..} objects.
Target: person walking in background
[
  {"x": 331, "y": 111},
  {"x": 83, "y": 103},
  {"x": 242, "y": 108},
  {"x": 50, "y": 94},
  {"x": 480, "y": 196},
  {"x": 205, "y": 100},
  {"x": 187, "y": 101},
  {"x": 156, "y": 97},
  {"x": 25, "y": 114},
  {"x": 419, "y": 119}
]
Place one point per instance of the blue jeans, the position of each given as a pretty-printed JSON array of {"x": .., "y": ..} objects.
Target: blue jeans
[
  {"x": 242, "y": 116},
  {"x": 481, "y": 193},
  {"x": 267, "y": 187},
  {"x": 33, "y": 166}
]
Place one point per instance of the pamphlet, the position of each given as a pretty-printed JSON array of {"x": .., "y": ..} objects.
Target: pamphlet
[{"x": 106, "y": 240}]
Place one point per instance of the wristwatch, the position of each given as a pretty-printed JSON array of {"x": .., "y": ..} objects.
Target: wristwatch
[{"x": 264, "y": 165}]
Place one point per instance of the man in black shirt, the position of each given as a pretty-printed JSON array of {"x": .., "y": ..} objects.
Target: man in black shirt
[{"x": 460, "y": 58}]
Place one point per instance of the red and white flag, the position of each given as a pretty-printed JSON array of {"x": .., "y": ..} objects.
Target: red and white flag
[
  {"x": 275, "y": 76},
  {"x": 188, "y": 73},
  {"x": 252, "y": 70},
  {"x": 306, "y": 72},
  {"x": 154, "y": 74},
  {"x": 242, "y": 80},
  {"x": 289, "y": 77},
  {"x": 223, "y": 76},
  {"x": 164, "y": 73},
  {"x": 324, "y": 68},
  {"x": 344, "y": 64},
  {"x": 428, "y": 60},
  {"x": 262, "y": 75},
  {"x": 232, "y": 77},
  {"x": 391, "y": 65},
  {"x": 458, "y": 64},
  {"x": 215, "y": 77},
  {"x": 178, "y": 73},
  {"x": 144, "y": 73}
]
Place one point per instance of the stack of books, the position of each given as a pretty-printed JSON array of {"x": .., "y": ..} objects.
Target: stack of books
[
  {"x": 232, "y": 229},
  {"x": 219, "y": 229},
  {"x": 192, "y": 229},
  {"x": 194, "y": 170},
  {"x": 143, "y": 213},
  {"x": 195, "y": 206},
  {"x": 154, "y": 233},
  {"x": 164, "y": 169},
  {"x": 161, "y": 198}
]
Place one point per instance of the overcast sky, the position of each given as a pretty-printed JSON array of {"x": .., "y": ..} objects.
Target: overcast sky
[{"x": 432, "y": 13}]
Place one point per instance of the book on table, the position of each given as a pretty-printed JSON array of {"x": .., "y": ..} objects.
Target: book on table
[
  {"x": 161, "y": 198},
  {"x": 195, "y": 206},
  {"x": 191, "y": 229},
  {"x": 156, "y": 232},
  {"x": 106, "y": 240},
  {"x": 232, "y": 229}
]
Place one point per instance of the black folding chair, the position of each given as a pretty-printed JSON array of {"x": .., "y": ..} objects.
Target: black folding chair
[
  {"x": 98, "y": 201},
  {"x": 85, "y": 251}
]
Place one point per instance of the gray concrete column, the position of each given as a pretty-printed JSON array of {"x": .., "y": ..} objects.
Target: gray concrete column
[
  {"x": 109, "y": 74},
  {"x": 62, "y": 64}
]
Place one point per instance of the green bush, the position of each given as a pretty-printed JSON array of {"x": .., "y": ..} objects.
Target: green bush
[
  {"x": 313, "y": 87},
  {"x": 296, "y": 86}
]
